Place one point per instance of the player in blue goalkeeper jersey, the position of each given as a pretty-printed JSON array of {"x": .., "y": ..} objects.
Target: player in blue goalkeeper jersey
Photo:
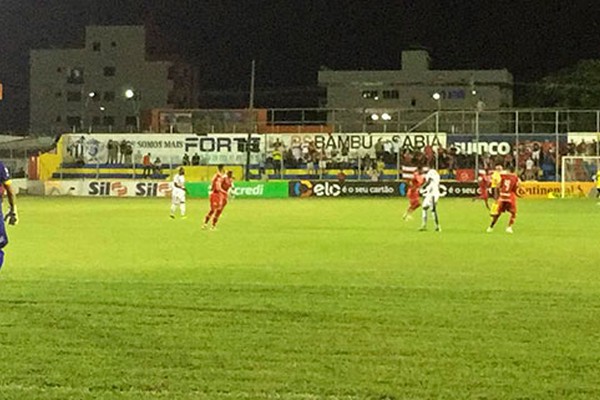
[{"x": 11, "y": 215}]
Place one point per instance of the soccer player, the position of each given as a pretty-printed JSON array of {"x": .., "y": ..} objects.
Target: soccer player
[
  {"x": 507, "y": 199},
  {"x": 178, "y": 194},
  {"x": 413, "y": 194},
  {"x": 597, "y": 179},
  {"x": 495, "y": 184},
  {"x": 11, "y": 215},
  {"x": 227, "y": 185},
  {"x": 217, "y": 194},
  {"x": 431, "y": 193},
  {"x": 484, "y": 183}
]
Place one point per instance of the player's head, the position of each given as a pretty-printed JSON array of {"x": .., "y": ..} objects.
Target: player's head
[
  {"x": 220, "y": 168},
  {"x": 511, "y": 169},
  {"x": 499, "y": 167},
  {"x": 181, "y": 171},
  {"x": 230, "y": 174}
]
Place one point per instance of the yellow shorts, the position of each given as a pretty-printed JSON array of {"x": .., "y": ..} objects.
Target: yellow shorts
[{"x": 494, "y": 209}]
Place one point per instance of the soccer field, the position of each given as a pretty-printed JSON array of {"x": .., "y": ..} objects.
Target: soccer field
[{"x": 299, "y": 299}]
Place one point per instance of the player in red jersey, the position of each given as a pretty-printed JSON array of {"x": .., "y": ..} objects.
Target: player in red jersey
[
  {"x": 485, "y": 181},
  {"x": 227, "y": 186},
  {"x": 217, "y": 194},
  {"x": 507, "y": 199},
  {"x": 413, "y": 194}
]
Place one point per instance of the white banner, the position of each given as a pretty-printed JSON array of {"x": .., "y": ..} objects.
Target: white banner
[
  {"x": 107, "y": 188},
  {"x": 230, "y": 148},
  {"x": 127, "y": 148},
  {"x": 362, "y": 143}
]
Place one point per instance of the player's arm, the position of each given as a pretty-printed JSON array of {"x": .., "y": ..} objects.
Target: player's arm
[
  {"x": 426, "y": 184},
  {"x": 178, "y": 185},
  {"x": 220, "y": 187},
  {"x": 11, "y": 215}
]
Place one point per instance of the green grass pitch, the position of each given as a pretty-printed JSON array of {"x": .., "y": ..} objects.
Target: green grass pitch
[{"x": 299, "y": 299}]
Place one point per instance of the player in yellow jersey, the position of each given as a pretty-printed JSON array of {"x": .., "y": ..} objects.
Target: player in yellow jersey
[
  {"x": 598, "y": 184},
  {"x": 495, "y": 185}
]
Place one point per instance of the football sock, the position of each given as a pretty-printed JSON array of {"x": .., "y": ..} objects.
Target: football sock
[
  {"x": 494, "y": 220},
  {"x": 1, "y": 258},
  {"x": 424, "y": 216},
  {"x": 207, "y": 218},
  {"x": 173, "y": 208},
  {"x": 182, "y": 209},
  {"x": 216, "y": 217},
  {"x": 435, "y": 217},
  {"x": 512, "y": 219}
]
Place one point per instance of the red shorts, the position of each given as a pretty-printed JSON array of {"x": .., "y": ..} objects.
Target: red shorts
[
  {"x": 510, "y": 206},
  {"x": 414, "y": 202},
  {"x": 215, "y": 201},
  {"x": 483, "y": 193}
]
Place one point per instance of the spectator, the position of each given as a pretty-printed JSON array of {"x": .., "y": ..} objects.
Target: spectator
[
  {"x": 529, "y": 169},
  {"x": 341, "y": 176},
  {"x": 196, "y": 159},
  {"x": 322, "y": 162},
  {"x": 110, "y": 147},
  {"x": 310, "y": 163},
  {"x": 147, "y": 166},
  {"x": 373, "y": 174},
  {"x": 157, "y": 168},
  {"x": 186, "y": 159},
  {"x": 123, "y": 149},
  {"x": 379, "y": 148},
  {"x": 277, "y": 156},
  {"x": 128, "y": 153}
]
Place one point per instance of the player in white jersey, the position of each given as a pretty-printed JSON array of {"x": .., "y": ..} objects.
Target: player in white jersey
[
  {"x": 178, "y": 194},
  {"x": 431, "y": 195}
]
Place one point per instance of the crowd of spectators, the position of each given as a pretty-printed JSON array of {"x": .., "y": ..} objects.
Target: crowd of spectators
[{"x": 534, "y": 160}]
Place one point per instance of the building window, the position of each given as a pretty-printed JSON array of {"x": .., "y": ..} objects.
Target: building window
[
  {"x": 96, "y": 120},
  {"x": 59, "y": 70},
  {"x": 113, "y": 44},
  {"x": 58, "y": 118},
  {"x": 58, "y": 94},
  {"x": 108, "y": 120},
  {"x": 75, "y": 76},
  {"x": 131, "y": 120},
  {"x": 413, "y": 102},
  {"x": 370, "y": 94},
  {"x": 391, "y": 94},
  {"x": 96, "y": 46},
  {"x": 110, "y": 71},
  {"x": 73, "y": 96},
  {"x": 74, "y": 120},
  {"x": 109, "y": 96}
]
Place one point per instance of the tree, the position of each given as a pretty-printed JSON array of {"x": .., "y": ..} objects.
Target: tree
[{"x": 577, "y": 86}]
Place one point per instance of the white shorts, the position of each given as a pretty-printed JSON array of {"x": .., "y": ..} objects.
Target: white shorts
[
  {"x": 430, "y": 200},
  {"x": 178, "y": 197}
]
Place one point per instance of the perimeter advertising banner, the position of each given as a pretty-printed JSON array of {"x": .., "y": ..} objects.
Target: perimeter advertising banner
[
  {"x": 308, "y": 188},
  {"x": 498, "y": 144},
  {"x": 270, "y": 190},
  {"x": 543, "y": 190},
  {"x": 107, "y": 188}
]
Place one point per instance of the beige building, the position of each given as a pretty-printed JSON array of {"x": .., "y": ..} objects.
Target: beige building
[
  {"x": 105, "y": 85},
  {"x": 415, "y": 89}
]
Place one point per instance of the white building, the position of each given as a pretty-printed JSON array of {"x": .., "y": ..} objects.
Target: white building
[
  {"x": 106, "y": 84},
  {"x": 415, "y": 87}
]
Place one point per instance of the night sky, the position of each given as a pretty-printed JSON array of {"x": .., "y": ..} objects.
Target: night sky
[{"x": 292, "y": 39}]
